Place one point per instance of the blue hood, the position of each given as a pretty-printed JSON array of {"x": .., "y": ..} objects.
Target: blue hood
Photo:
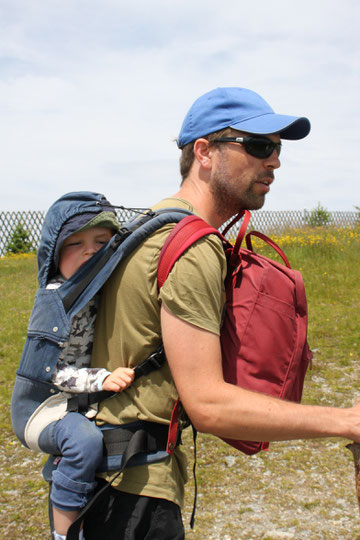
[{"x": 68, "y": 206}]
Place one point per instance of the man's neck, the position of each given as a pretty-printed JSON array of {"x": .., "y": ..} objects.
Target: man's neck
[{"x": 201, "y": 199}]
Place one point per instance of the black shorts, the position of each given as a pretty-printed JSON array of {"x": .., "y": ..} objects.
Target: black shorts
[{"x": 123, "y": 516}]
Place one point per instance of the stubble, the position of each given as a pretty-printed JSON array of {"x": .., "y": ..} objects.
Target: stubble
[{"x": 231, "y": 195}]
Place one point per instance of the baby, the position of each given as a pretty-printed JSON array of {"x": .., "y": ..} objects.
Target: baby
[{"x": 74, "y": 437}]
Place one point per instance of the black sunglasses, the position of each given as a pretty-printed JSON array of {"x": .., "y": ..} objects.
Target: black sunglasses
[{"x": 259, "y": 147}]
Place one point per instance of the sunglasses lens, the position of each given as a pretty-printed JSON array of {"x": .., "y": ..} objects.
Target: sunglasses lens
[{"x": 261, "y": 148}]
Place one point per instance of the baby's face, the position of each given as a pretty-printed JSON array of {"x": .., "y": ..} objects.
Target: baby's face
[{"x": 80, "y": 247}]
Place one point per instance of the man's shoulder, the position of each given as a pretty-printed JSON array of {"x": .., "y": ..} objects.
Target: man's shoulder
[{"x": 173, "y": 202}]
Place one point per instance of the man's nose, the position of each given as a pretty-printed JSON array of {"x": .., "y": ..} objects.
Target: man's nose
[{"x": 273, "y": 161}]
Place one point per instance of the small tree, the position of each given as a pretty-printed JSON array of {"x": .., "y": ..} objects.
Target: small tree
[
  {"x": 319, "y": 217},
  {"x": 357, "y": 222},
  {"x": 20, "y": 241}
]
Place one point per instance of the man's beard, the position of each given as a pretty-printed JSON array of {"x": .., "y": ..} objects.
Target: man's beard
[{"x": 230, "y": 197}]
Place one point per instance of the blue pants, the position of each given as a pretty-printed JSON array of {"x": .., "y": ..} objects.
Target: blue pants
[{"x": 79, "y": 441}]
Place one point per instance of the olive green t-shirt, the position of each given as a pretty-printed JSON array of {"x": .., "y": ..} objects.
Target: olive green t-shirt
[{"x": 128, "y": 330}]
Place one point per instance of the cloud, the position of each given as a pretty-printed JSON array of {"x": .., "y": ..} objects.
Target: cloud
[{"x": 94, "y": 93}]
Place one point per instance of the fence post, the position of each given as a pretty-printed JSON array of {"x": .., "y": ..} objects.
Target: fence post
[{"x": 306, "y": 215}]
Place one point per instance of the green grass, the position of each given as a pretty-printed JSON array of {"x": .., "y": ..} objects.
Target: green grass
[
  {"x": 23, "y": 511},
  {"x": 302, "y": 489}
]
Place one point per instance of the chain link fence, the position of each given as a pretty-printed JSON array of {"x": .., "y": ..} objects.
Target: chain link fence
[{"x": 262, "y": 220}]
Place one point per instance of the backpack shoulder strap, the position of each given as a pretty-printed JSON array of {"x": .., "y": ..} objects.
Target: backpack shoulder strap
[{"x": 184, "y": 234}]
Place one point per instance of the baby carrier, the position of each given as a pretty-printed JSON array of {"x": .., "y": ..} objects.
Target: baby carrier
[{"x": 50, "y": 321}]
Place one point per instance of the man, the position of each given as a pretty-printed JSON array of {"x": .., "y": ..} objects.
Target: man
[{"x": 230, "y": 142}]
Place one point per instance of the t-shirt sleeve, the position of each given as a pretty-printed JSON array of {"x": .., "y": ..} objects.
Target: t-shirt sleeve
[{"x": 194, "y": 290}]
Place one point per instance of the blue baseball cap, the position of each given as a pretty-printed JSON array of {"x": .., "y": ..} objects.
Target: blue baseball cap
[{"x": 240, "y": 109}]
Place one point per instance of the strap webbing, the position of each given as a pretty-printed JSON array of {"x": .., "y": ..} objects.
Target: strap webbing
[
  {"x": 192, "y": 519},
  {"x": 82, "y": 402}
]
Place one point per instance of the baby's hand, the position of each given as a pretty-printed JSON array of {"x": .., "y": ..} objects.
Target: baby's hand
[{"x": 118, "y": 380}]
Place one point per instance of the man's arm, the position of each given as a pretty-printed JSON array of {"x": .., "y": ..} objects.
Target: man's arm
[{"x": 225, "y": 410}]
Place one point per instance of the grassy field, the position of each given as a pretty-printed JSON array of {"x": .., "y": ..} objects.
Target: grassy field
[{"x": 296, "y": 490}]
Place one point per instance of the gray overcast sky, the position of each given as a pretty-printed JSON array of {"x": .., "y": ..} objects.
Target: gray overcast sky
[{"x": 93, "y": 93}]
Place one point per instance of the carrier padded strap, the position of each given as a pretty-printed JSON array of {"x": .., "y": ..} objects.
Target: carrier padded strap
[
  {"x": 75, "y": 292},
  {"x": 116, "y": 439}
]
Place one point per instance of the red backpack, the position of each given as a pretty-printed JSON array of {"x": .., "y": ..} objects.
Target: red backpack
[{"x": 263, "y": 337}]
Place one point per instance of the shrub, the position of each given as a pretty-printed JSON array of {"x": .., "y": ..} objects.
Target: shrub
[
  {"x": 20, "y": 241},
  {"x": 318, "y": 217}
]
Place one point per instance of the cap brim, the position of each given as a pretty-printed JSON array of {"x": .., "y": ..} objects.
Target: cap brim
[
  {"x": 288, "y": 127},
  {"x": 104, "y": 219}
]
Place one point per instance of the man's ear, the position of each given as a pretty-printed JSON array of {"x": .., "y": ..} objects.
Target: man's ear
[{"x": 203, "y": 153}]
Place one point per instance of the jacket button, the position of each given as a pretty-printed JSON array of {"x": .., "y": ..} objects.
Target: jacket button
[
  {"x": 52, "y": 391},
  {"x": 55, "y": 329},
  {"x": 47, "y": 369}
]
